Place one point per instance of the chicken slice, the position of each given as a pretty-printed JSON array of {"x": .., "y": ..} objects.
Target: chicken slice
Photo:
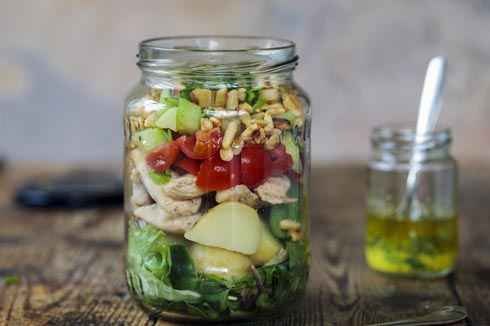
[
  {"x": 139, "y": 195},
  {"x": 274, "y": 190},
  {"x": 239, "y": 193},
  {"x": 158, "y": 217},
  {"x": 183, "y": 187},
  {"x": 172, "y": 206}
]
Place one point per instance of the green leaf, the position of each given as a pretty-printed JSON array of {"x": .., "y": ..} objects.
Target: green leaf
[
  {"x": 297, "y": 254},
  {"x": 148, "y": 267},
  {"x": 277, "y": 214},
  {"x": 260, "y": 103},
  {"x": 153, "y": 290},
  {"x": 160, "y": 178},
  {"x": 11, "y": 280},
  {"x": 167, "y": 99},
  {"x": 182, "y": 273},
  {"x": 148, "y": 249},
  {"x": 289, "y": 116},
  {"x": 289, "y": 142},
  {"x": 286, "y": 211},
  {"x": 251, "y": 96}
]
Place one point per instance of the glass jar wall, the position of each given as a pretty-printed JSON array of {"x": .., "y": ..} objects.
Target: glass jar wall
[
  {"x": 421, "y": 238},
  {"x": 216, "y": 178}
]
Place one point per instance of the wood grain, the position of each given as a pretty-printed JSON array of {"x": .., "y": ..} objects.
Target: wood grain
[{"x": 71, "y": 269}]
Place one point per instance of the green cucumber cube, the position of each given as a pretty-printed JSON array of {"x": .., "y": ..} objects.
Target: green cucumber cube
[
  {"x": 168, "y": 119},
  {"x": 188, "y": 117},
  {"x": 150, "y": 138}
]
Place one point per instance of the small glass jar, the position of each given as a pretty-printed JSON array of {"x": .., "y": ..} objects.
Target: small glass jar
[
  {"x": 217, "y": 158},
  {"x": 420, "y": 238}
]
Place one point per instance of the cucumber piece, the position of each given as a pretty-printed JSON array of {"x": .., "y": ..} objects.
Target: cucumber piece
[
  {"x": 150, "y": 138},
  {"x": 160, "y": 178},
  {"x": 188, "y": 117},
  {"x": 168, "y": 119},
  {"x": 292, "y": 149}
]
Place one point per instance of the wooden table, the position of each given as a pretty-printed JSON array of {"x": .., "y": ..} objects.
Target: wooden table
[{"x": 70, "y": 263}]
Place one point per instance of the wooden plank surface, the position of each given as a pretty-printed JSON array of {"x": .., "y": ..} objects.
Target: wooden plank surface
[{"x": 70, "y": 263}]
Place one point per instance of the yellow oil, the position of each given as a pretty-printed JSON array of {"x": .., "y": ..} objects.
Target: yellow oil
[{"x": 425, "y": 248}]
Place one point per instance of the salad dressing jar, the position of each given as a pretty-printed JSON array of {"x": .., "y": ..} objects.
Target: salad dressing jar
[
  {"x": 424, "y": 241},
  {"x": 217, "y": 157}
]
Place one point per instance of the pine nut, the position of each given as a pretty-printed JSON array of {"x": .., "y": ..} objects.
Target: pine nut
[
  {"x": 231, "y": 131},
  {"x": 232, "y": 100},
  {"x": 226, "y": 154},
  {"x": 220, "y": 100},
  {"x": 289, "y": 225}
]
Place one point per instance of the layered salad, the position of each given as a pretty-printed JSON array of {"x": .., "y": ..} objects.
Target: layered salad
[{"x": 215, "y": 199}]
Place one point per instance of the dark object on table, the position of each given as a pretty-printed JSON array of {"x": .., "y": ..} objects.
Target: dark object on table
[{"x": 76, "y": 189}]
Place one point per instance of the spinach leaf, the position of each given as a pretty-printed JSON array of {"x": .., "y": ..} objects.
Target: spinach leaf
[
  {"x": 182, "y": 272},
  {"x": 251, "y": 96},
  {"x": 148, "y": 248},
  {"x": 148, "y": 264},
  {"x": 156, "y": 292},
  {"x": 259, "y": 103},
  {"x": 286, "y": 211}
]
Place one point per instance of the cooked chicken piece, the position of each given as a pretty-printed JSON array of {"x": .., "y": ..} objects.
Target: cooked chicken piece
[
  {"x": 183, "y": 187},
  {"x": 158, "y": 217},
  {"x": 172, "y": 206},
  {"x": 239, "y": 193},
  {"x": 139, "y": 196},
  {"x": 274, "y": 190}
]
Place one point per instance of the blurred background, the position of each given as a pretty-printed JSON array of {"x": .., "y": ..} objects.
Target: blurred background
[{"x": 66, "y": 66}]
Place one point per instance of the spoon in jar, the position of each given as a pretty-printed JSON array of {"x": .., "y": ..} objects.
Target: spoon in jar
[
  {"x": 429, "y": 109},
  {"x": 443, "y": 316}
]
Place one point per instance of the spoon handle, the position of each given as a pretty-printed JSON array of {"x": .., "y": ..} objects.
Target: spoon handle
[
  {"x": 431, "y": 98},
  {"x": 444, "y": 316},
  {"x": 429, "y": 109}
]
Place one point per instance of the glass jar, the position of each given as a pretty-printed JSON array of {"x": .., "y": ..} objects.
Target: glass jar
[
  {"x": 420, "y": 238},
  {"x": 217, "y": 157}
]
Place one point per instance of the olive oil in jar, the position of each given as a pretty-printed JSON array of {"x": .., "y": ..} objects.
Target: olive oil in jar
[
  {"x": 421, "y": 241},
  {"x": 424, "y": 247}
]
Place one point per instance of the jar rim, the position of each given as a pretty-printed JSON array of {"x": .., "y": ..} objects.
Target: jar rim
[
  {"x": 210, "y": 43},
  {"x": 213, "y": 55},
  {"x": 393, "y": 137},
  {"x": 170, "y": 43}
]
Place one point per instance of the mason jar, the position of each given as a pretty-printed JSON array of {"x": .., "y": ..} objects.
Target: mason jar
[
  {"x": 217, "y": 159},
  {"x": 414, "y": 234}
]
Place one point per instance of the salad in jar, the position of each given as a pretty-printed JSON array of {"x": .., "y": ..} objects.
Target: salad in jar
[{"x": 216, "y": 206}]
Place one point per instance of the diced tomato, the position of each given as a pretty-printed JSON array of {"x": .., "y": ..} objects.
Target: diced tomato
[
  {"x": 202, "y": 145},
  {"x": 187, "y": 164},
  {"x": 163, "y": 156},
  {"x": 216, "y": 174},
  {"x": 281, "y": 160},
  {"x": 255, "y": 165}
]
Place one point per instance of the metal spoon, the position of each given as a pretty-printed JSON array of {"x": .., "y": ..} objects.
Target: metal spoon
[
  {"x": 445, "y": 315},
  {"x": 429, "y": 109}
]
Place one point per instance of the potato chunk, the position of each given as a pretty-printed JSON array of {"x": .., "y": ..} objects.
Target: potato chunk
[
  {"x": 220, "y": 262},
  {"x": 231, "y": 226}
]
